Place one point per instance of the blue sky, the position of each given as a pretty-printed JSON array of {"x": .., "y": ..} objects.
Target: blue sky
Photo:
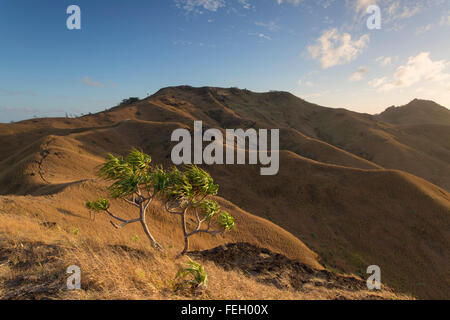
[{"x": 319, "y": 50}]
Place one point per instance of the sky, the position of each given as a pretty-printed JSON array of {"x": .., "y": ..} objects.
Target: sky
[{"x": 323, "y": 51}]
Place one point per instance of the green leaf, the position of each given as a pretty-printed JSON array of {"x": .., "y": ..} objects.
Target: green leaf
[
  {"x": 138, "y": 160},
  {"x": 196, "y": 271},
  {"x": 99, "y": 205},
  {"x": 128, "y": 174},
  {"x": 209, "y": 208},
  {"x": 226, "y": 221}
]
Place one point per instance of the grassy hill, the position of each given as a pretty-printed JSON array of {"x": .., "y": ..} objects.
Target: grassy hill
[{"x": 339, "y": 202}]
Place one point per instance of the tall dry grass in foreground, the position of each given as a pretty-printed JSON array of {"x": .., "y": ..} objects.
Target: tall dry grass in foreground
[{"x": 34, "y": 256}]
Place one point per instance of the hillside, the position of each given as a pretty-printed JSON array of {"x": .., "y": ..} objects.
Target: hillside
[
  {"x": 417, "y": 112},
  {"x": 424, "y": 153},
  {"x": 339, "y": 196}
]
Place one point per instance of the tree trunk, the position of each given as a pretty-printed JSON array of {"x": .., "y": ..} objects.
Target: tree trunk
[
  {"x": 185, "y": 234},
  {"x": 153, "y": 242}
]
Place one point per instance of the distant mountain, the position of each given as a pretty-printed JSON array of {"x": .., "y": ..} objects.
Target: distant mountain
[{"x": 417, "y": 112}]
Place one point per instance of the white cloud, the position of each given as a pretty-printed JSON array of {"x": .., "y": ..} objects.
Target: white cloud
[
  {"x": 418, "y": 69},
  {"x": 384, "y": 61},
  {"x": 359, "y": 74},
  {"x": 333, "y": 48},
  {"x": 90, "y": 83},
  {"x": 199, "y": 5}
]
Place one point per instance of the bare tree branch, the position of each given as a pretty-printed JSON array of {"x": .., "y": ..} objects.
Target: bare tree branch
[
  {"x": 115, "y": 217},
  {"x": 148, "y": 203},
  {"x": 131, "y": 202},
  {"x": 204, "y": 231},
  {"x": 173, "y": 211},
  {"x": 125, "y": 223}
]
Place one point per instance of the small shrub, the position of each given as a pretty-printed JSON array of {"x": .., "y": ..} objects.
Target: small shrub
[{"x": 194, "y": 276}]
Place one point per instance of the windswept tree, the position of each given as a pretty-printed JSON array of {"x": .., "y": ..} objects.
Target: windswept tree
[
  {"x": 137, "y": 183},
  {"x": 186, "y": 193},
  {"x": 132, "y": 181}
]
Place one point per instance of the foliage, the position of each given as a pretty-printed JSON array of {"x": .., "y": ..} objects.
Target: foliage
[
  {"x": 209, "y": 208},
  {"x": 197, "y": 273},
  {"x": 130, "y": 100},
  {"x": 99, "y": 205},
  {"x": 186, "y": 189},
  {"x": 129, "y": 174},
  {"x": 226, "y": 221},
  {"x": 189, "y": 184}
]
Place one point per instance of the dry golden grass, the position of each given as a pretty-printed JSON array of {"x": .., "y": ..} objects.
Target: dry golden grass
[
  {"x": 347, "y": 209},
  {"x": 33, "y": 261}
]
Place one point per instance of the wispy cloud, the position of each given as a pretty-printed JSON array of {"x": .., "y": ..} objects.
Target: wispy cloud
[
  {"x": 392, "y": 9},
  {"x": 333, "y": 48},
  {"x": 359, "y": 74},
  {"x": 91, "y": 83},
  {"x": 322, "y": 3},
  {"x": 394, "y": 13},
  {"x": 384, "y": 61},
  {"x": 423, "y": 29},
  {"x": 271, "y": 25},
  {"x": 245, "y": 4},
  {"x": 294, "y": 2},
  {"x": 260, "y": 35},
  {"x": 200, "y": 5},
  {"x": 360, "y": 6}
]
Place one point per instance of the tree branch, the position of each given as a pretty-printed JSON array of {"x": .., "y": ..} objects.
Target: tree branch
[
  {"x": 204, "y": 231},
  {"x": 148, "y": 203},
  {"x": 125, "y": 223},
  {"x": 114, "y": 216},
  {"x": 199, "y": 221},
  {"x": 131, "y": 202},
  {"x": 173, "y": 211}
]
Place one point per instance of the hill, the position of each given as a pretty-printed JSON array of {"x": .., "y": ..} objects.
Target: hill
[
  {"x": 417, "y": 112},
  {"x": 339, "y": 196}
]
